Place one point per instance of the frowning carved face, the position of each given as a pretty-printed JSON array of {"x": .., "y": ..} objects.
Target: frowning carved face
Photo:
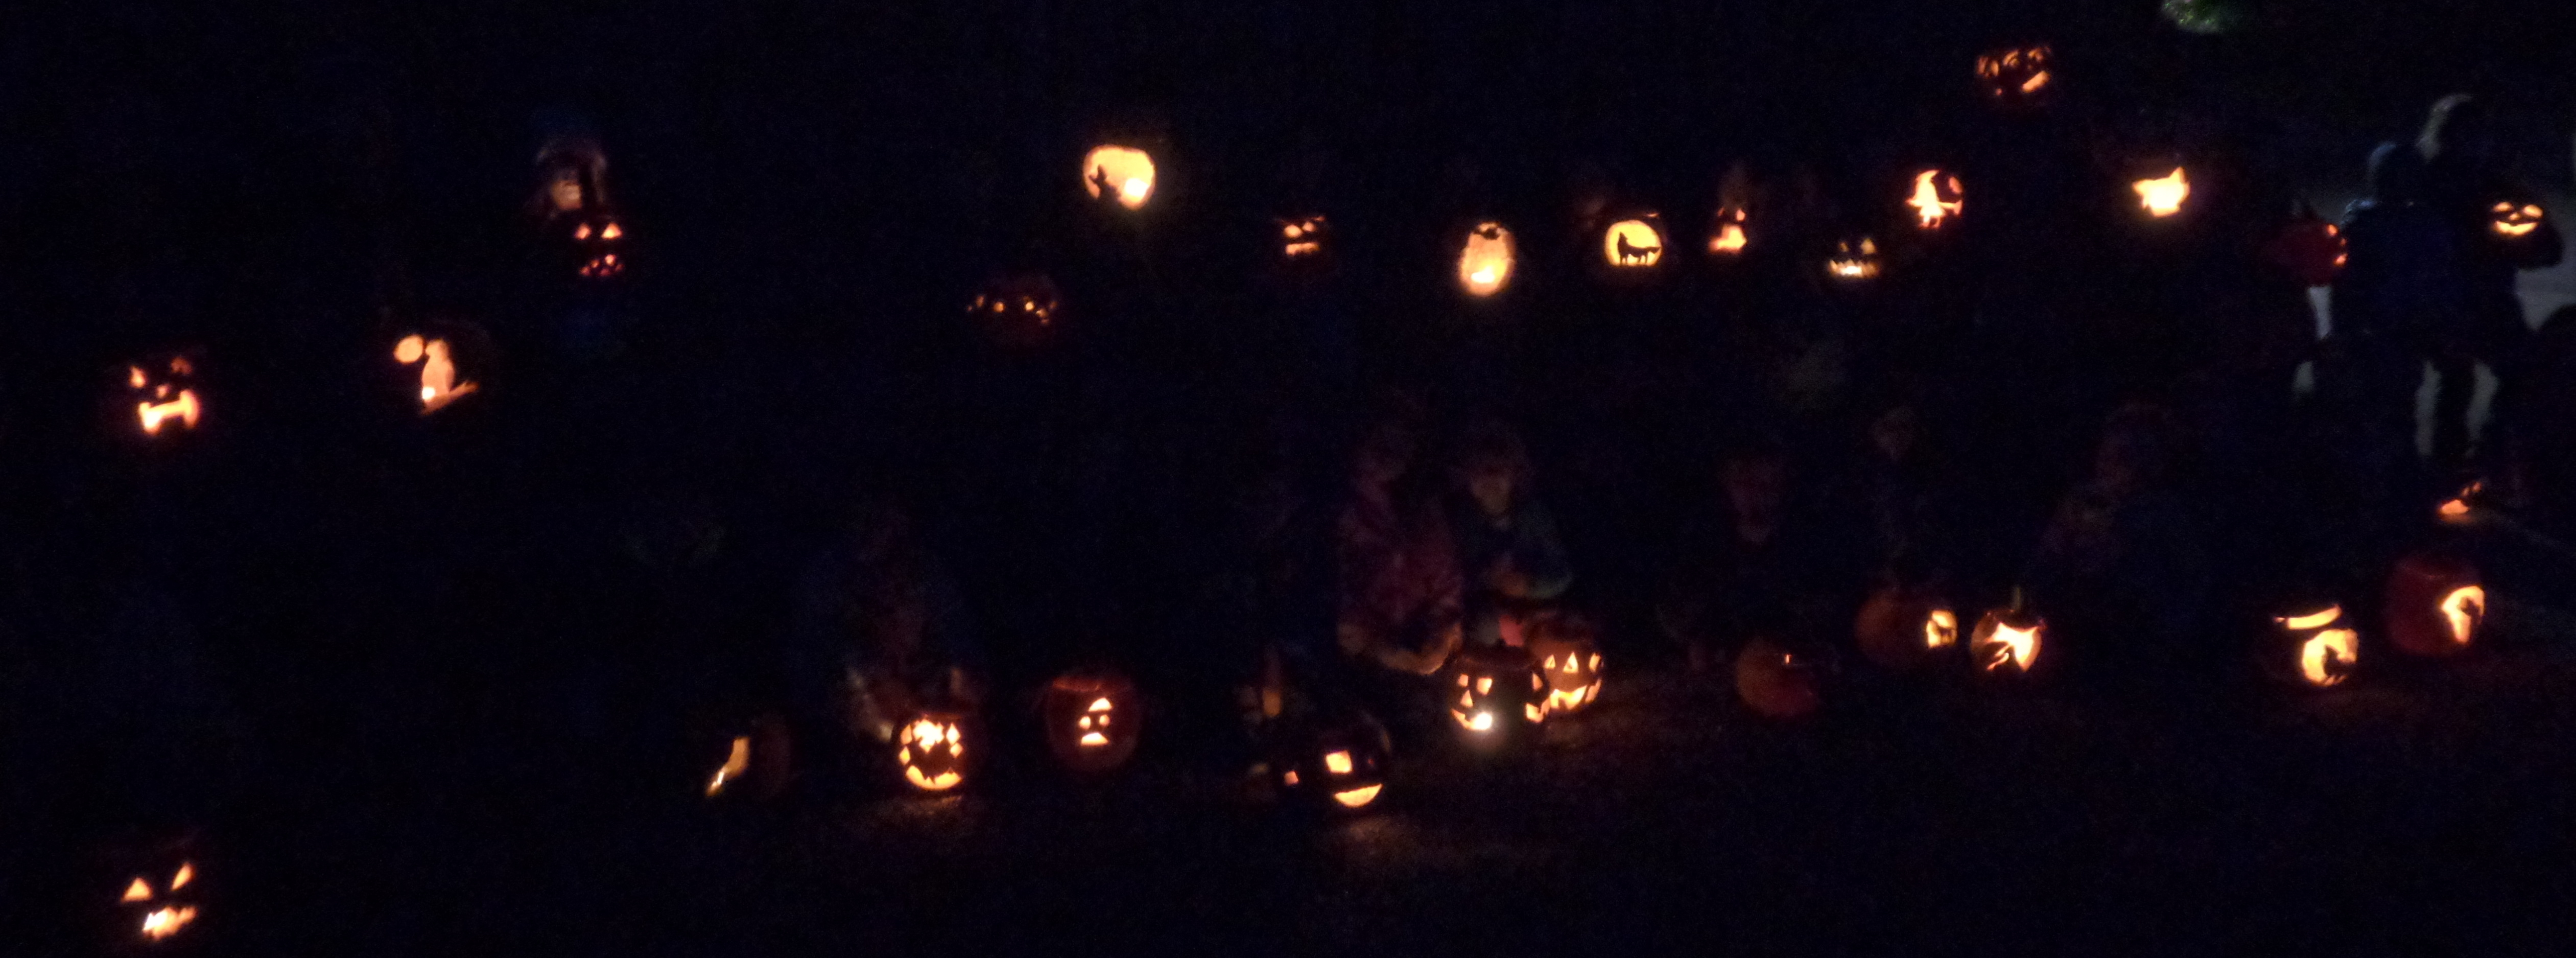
[
  {"x": 1304, "y": 238},
  {"x": 1092, "y": 717}
]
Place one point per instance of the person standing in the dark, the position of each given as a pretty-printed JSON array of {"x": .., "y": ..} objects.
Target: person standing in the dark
[{"x": 2465, "y": 183}]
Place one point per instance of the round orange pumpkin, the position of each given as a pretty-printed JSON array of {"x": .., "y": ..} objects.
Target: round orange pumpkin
[
  {"x": 1777, "y": 682},
  {"x": 2435, "y": 605}
]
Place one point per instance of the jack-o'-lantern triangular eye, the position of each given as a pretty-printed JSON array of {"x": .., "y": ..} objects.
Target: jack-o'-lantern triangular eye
[
  {"x": 187, "y": 872},
  {"x": 134, "y": 376},
  {"x": 181, "y": 367},
  {"x": 139, "y": 891}
]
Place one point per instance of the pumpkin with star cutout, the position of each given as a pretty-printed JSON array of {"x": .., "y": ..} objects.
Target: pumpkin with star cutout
[
  {"x": 2312, "y": 645},
  {"x": 2435, "y": 605},
  {"x": 930, "y": 751},
  {"x": 1017, "y": 311},
  {"x": 1092, "y": 719},
  {"x": 163, "y": 395}
]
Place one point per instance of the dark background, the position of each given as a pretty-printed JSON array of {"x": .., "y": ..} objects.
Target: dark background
[{"x": 406, "y": 624}]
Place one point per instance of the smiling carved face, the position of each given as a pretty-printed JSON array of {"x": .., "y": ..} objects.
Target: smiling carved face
[{"x": 158, "y": 907}]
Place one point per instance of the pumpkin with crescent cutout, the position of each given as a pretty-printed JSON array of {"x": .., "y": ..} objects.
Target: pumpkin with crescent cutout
[
  {"x": 2435, "y": 605},
  {"x": 2312, "y": 645}
]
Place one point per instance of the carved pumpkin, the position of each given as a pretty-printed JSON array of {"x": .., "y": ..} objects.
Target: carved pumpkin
[
  {"x": 1485, "y": 260},
  {"x": 1938, "y": 196},
  {"x": 1570, "y": 664},
  {"x": 1854, "y": 260},
  {"x": 756, "y": 759},
  {"x": 599, "y": 242},
  {"x": 164, "y": 394},
  {"x": 930, "y": 751},
  {"x": 2316, "y": 647},
  {"x": 1340, "y": 766},
  {"x": 1726, "y": 237},
  {"x": 2455, "y": 511},
  {"x": 1119, "y": 174},
  {"x": 1778, "y": 682},
  {"x": 1305, "y": 239},
  {"x": 1497, "y": 692},
  {"x": 444, "y": 360},
  {"x": 2516, "y": 220},
  {"x": 2310, "y": 249},
  {"x": 1016, "y": 311},
  {"x": 2435, "y": 605},
  {"x": 1901, "y": 628},
  {"x": 2015, "y": 74},
  {"x": 1092, "y": 719},
  {"x": 1633, "y": 244},
  {"x": 2007, "y": 641},
  {"x": 2163, "y": 196},
  {"x": 158, "y": 897}
]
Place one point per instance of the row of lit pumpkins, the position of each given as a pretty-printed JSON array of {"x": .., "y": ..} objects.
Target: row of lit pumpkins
[
  {"x": 165, "y": 396},
  {"x": 1092, "y": 719},
  {"x": 2433, "y": 607}
]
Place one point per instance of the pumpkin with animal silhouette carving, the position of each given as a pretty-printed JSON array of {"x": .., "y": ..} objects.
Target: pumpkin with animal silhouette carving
[
  {"x": 161, "y": 395},
  {"x": 1494, "y": 693},
  {"x": 2007, "y": 641},
  {"x": 2311, "y": 644},
  {"x": 153, "y": 893},
  {"x": 1092, "y": 717},
  {"x": 2434, "y": 605},
  {"x": 1336, "y": 763},
  {"x": 931, "y": 751},
  {"x": 438, "y": 363},
  {"x": 1118, "y": 175},
  {"x": 1633, "y": 244},
  {"x": 1017, "y": 310},
  {"x": 748, "y": 758},
  {"x": 1778, "y": 680},
  {"x": 1906, "y": 627}
]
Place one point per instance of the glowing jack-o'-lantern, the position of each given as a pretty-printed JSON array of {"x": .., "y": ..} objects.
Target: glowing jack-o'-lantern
[
  {"x": 1498, "y": 691},
  {"x": 2515, "y": 220},
  {"x": 1901, "y": 628},
  {"x": 164, "y": 393},
  {"x": 2316, "y": 648},
  {"x": 2435, "y": 605},
  {"x": 1119, "y": 174},
  {"x": 1485, "y": 261},
  {"x": 2163, "y": 196},
  {"x": 930, "y": 751},
  {"x": 2309, "y": 249},
  {"x": 158, "y": 896},
  {"x": 756, "y": 759},
  {"x": 1570, "y": 665},
  {"x": 1727, "y": 237},
  {"x": 1092, "y": 719},
  {"x": 600, "y": 243},
  {"x": 1633, "y": 243},
  {"x": 1304, "y": 238},
  {"x": 439, "y": 384},
  {"x": 1937, "y": 197},
  {"x": 2456, "y": 510},
  {"x": 1337, "y": 767},
  {"x": 1854, "y": 260},
  {"x": 2007, "y": 641},
  {"x": 1019, "y": 310},
  {"x": 1779, "y": 682},
  {"x": 2015, "y": 73}
]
